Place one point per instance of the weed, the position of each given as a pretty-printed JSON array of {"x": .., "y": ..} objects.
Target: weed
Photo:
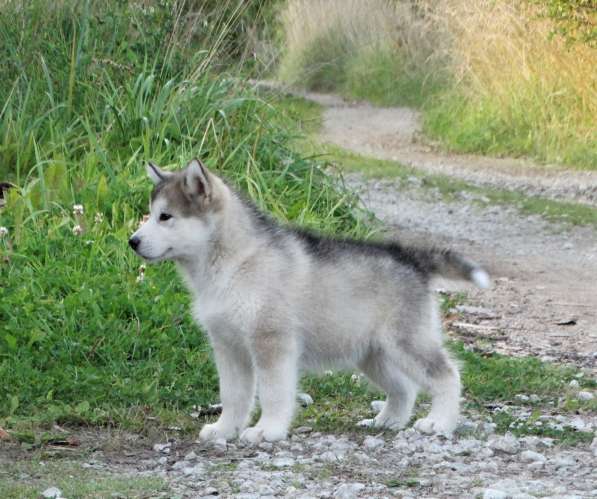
[{"x": 73, "y": 480}]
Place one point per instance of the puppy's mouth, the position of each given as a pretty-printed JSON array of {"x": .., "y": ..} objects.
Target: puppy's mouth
[{"x": 159, "y": 258}]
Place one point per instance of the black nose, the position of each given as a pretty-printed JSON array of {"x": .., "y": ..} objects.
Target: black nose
[{"x": 134, "y": 242}]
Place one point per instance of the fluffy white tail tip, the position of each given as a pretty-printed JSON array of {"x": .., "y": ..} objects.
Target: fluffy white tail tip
[{"x": 481, "y": 278}]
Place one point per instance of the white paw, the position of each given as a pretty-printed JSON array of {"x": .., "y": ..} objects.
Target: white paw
[
  {"x": 429, "y": 426},
  {"x": 252, "y": 436},
  {"x": 214, "y": 431},
  {"x": 257, "y": 433},
  {"x": 379, "y": 422}
]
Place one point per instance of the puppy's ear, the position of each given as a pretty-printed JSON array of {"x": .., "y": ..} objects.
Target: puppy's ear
[
  {"x": 197, "y": 183},
  {"x": 156, "y": 174}
]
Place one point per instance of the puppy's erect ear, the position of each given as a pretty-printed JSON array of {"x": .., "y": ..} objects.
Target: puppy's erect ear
[
  {"x": 197, "y": 182},
  {"x": 156, "y": 174}
]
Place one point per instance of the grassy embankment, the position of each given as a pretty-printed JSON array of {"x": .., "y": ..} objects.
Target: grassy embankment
[
  {"x": 83, "y": 339},
  {"x": 489, "y": 76}
]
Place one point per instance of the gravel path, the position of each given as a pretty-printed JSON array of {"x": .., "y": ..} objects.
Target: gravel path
[
  {"x": 476, "y": 462},
  {"x": 395, "y": 134}
]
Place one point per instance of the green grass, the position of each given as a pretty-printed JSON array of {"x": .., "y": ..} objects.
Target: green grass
[
  {"x": 73, "y": 480},
  {"x": 81, "y": 340},
  {"x": 340, "y": 400},
  {"x": 485, "y": 127}
]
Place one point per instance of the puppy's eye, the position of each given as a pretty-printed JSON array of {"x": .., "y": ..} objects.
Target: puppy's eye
[{"x": 164, "y": 217}]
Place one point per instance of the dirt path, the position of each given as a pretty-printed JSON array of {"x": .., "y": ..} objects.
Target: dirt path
[
  {"x": 544, "y": 298},
  {"x": 395, "y": 134}
]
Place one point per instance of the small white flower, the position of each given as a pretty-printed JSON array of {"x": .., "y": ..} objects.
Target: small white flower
[
  {"x": 99, "y": 218},
  {"x": 355, "y": 378},
  {"x": 141, "y": 269},
  {"x": 328, "y": 373},
  {"x": 3, "y": 231},
  {"x": 77, "y": 230},
  {"x": 140, "y": 277},
  {"x": 78, "y": 209}
]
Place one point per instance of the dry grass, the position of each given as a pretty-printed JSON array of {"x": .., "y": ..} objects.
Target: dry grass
[
  {"x": 323, "y": 37},
  {"x": 489, "y": 73},
  {"x": 506, "y": 63}
]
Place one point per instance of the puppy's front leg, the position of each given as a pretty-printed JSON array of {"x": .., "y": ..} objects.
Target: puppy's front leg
[
  {"x": 237, "y": 390},
  {"x": 275, "y": 357}
]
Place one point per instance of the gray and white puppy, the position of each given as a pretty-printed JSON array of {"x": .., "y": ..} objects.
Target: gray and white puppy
[{"x": 276, "y": 300}]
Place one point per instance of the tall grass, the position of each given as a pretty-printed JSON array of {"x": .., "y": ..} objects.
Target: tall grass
[
  {"x": 490, "y": 75},
  {"x": 90, "y": 91},
  {"x": 517, "y": 89},
  {"x": 362, "y": 48}
]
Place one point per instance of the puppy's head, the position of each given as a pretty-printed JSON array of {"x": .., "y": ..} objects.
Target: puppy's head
[{"x": 184, "y": 212}]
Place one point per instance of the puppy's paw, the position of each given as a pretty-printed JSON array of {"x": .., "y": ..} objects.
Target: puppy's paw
[
  {"x": 256, "y": 434},
  {"x": 214, "y": 431},
  {"x": 383, "y": 422},
  {"x": 252, "y": 436},
  {"x": 429, "y": 426}
]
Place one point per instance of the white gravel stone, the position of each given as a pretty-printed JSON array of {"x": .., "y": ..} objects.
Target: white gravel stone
[
  {"x": 305, "y": 399},
  {"x": 348, "y": 491},
  {"x": 508, "y": 444},
  {"x": 574, "y": 384},
  {"x": 180, "y": 465},
  {"x": 529, "y": 456},
  {"x": 191, "y": 456},
  {"x": 373, "y": 443},
  {"x": 198, "y": 469},
  {"x": 494, "y": 494},
  {"x": 536, "y": 466},
  {"x": 163, "y": 448},
  {"x": 52, "y": 492},
  {"x": 282, "y": 462},
  {"x": 585, "y": 396},
  {"x": 220, "y": 444}
]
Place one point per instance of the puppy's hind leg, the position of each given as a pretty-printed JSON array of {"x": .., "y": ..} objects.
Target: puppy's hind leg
[
  {"x": 430, "y": 366},
  {"x": 401, "y": 391}
]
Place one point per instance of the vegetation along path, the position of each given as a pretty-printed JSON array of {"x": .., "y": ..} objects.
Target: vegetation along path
[{"x": 543, "y": 301}]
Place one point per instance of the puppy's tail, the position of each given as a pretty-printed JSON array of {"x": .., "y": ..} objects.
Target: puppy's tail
[{"x": 449, "y": 264}]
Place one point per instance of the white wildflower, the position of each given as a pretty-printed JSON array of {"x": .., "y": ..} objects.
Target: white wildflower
[
  {"x": 355, "y": 378},
  {"x": 99, "y": 218},
  {"x": 77, "y": 230},
  {"x": 78, "y": 209},
  {"x": 3, "y": 231},
  {"x": 328, "y": 373},
  {"x": 141, "y": 276}
]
